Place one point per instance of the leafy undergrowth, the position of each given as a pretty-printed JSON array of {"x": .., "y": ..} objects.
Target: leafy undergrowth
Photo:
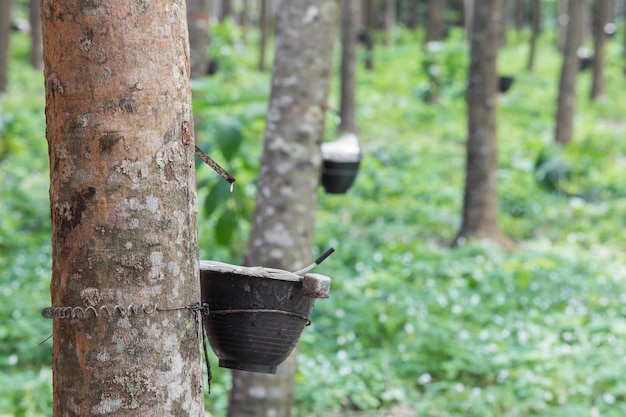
[
  {"x": 471, "y": 331},
  {"x": 474, "y": 331}
]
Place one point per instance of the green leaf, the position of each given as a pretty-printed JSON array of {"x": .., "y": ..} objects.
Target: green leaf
[
  {"x": 218, "y": 195},
  {"x": 228, "y": 135},
  {"x": 225, "y": 228}
]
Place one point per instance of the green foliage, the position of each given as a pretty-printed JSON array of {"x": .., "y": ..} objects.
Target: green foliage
[
  {"x": 474, "y": 331},
  {"x": 25, "y": 383},
  {"x": 230, "y": 116}
]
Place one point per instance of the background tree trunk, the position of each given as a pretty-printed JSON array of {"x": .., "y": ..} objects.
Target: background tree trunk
[
  {"x": 282, "y": 228},
  {"x": 226, "y": 10},
  {"x": 367, "y": 34},
  {"x": 480, "y": 208},
  {"x": 601, "y": 18},
  {"x": 624, "y": 38},
  {"x": 36, "y": 48},
  {"x": 468, "y": 17},
  {"x": 536, "y": 29},
  {"x": 263, "y": 39},
  {"x": 350, "y": 27},
  {"x": 435, "y": 20},
  {"x": 5, "y": 33},
  {"x": 562, "y": 19},
  {"x": 567, "y": 84},
  {"x": 244, "y": 18},
  {"x": 123, "y": 205},
  {"x": 411, "y": 13},
  {"x": 519, "y": 14},
  {"x": 198, "y": 13},
  {"x": 390, "y": 19}
]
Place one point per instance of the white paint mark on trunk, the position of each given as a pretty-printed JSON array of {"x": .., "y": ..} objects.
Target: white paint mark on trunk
[{"x": 311, "y": 14}]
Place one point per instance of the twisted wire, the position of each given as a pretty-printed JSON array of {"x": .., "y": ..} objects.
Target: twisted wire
[{"x": 76, "y": 312}]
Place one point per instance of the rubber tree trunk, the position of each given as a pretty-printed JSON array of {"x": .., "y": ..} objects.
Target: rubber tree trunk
[
  {"x": 624, "y": 41},
  {"x": 411, "y": 13},
  {"x": 264, "y": 34},
  {"x": 226, "y": 10},
  {"x": 350, "y": 27},
  {"x": 468, "y": 17},
  {"x": 282, "y": 227},
  {"x": 519, "y": 14},
  {"x": 536, "y": 29},
  {"x": 198, "y": 13},
  {"x": 601, "y": 18},
  {"x": 566, "y": 101},
  {"x": 562, "y": 20},
  {"x": 390, "y": 19},
  {"x": 36, "y": 48},
  {"x": 369, "y": 15},
  {"x": 5, "y": 32},
  {"x": 123, "y": 206},
  {"x": 244, "y": 18},
  {"x": 435, "y": 20},
  {"x": 480, "y": 205}
]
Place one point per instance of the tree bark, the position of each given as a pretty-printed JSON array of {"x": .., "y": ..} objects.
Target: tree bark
[
  {"x": 198, "y": 12},
  {"x": 245, "y": 20},
  {"x": 519, "y": 14},
  {"x": 368, "y": 39},
  {"x": 562, "y": 20},
  {"x": 123, "y": 206},
  {"x": 480, "y": 208},
  {"x": 468, "y": 17},
  {"x": 226, "y": 10},
  {"x": 390, "y": 19},
  {"x": 282, "y": 228},
  {"x": 601, "y": 18},
  {"x": 435, "y": 21},
  {"x": 536, "y": 29},
  {"x": 36, "y": 48},
  {"x": 624, "y": 40},
  {"x": 412, "y": 9},
  {"x": 5, "y": 33},
  {"x": 566, "y": 102},
  {"x": 263, "y": 39},
  {"x": 350, "y": 28}
]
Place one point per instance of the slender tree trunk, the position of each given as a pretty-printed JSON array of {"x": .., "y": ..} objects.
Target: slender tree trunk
[
  {"x": 390, "y": 19},
  {"x": 536, "y": 29},
  {"x": 468, "y": 16},
  {"x": 198, "y": 12},
  {"x": 349, "y": 33},
  {"x": 282, "y": 227},
  {"x": 5, "y": 32},
  {"x": 413, "y": 10},
  {"x": 263, "y": 40},
  {"x": 245, "y": 20},
  {"x": 368, "y": 38},
  {"x": 434, "y": 21},
  {"x": 226, "y": 10},
  {"x": 562, "y": 20},
  {"x": 123, "y": 206},
  {"x": 624, "y": 41},
  {"x": 36, "y": 48},
  {"x": 599, "y": 36},
  {"x": 480, "y": 208},
  {"x": 519, "y": 14},
  {"x": 567, "y": 85}
]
